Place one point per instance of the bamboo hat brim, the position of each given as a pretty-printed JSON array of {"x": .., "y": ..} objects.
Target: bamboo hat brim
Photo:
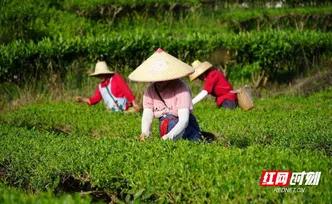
[
  {"x": 161, "y": 66},
  {"x": 101, "y": 68},
  {"x": 200, "y": 68}
]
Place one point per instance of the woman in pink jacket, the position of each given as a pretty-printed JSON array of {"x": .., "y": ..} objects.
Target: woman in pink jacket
[{"x": 168, "y": 98}]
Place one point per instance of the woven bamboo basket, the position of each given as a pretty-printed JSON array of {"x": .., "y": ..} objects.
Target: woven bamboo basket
[{"x": 245, "y": 98}]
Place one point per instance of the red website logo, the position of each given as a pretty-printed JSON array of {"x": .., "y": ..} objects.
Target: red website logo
[{"x": 275, "y": 178}]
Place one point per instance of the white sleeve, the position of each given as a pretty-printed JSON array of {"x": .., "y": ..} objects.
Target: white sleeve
[
  {"x": 147, "y": 119},
  {"x": 181, "y": 125},
  {"x": 199, "y": 97}
]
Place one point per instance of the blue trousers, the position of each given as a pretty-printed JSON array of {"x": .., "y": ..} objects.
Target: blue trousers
[{"x": 192, "y": 131}]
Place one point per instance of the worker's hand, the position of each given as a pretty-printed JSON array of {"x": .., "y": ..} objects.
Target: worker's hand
[
  {"x": 142, "y": 137},
  {"x": 136, "y": 106},
  {"x": 108, "y": 107},
  {"x": 165, "y": 137},
  {"x": 79, "y": 99},
  {"x": 82, "y": 99}
]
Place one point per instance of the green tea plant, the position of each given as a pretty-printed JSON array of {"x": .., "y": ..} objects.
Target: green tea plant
[
  {"x": 13, "y": 195},
  {"x": 69, "y": 147},
  {"x": 154, "y": 170},
  {"x": 297, "y": 123},
  {"x": 240, "y": 20},
  {"x": 276, "y": 53}
]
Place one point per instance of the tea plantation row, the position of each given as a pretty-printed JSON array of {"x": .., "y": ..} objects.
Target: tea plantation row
[
  {"x": 298, "y": 123},
  {"x": 74, "y": 148},
  {"x": 155, "y": 170}
]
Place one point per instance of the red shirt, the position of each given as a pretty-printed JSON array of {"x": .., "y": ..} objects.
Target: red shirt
[
  {"x": 119, "y": 88},
  {"x": 218, "y": 86}
]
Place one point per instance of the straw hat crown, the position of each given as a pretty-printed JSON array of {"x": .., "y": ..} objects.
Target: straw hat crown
[
  {"x": 200, "y": 68},
  {"x": 101, "y": 68},
  {"x": 161, "y": 66}
]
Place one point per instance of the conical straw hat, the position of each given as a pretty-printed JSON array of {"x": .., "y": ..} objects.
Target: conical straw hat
[
  {"x": 200, "y": 68},
  {"x": 101, "y": 68},
  {"x": 160, "y": 66}
]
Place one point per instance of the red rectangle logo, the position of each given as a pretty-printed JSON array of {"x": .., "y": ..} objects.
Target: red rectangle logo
[{"x": 275, "y": 178}]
